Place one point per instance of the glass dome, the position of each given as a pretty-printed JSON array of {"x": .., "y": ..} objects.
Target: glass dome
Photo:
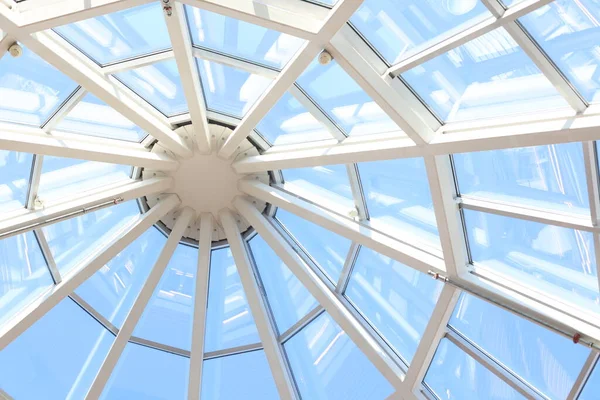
[{"x": 299, "y": 199}]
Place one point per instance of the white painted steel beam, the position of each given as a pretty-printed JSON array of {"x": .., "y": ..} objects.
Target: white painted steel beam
[
  {"x": 200, "y": 306},
  {"x": 258, "y": 307},
  {"x": 181, "y": 225},
  {"x": 71, "y": 281},
  {"x": 337, "y": 18},
  {"x": 324, "y": 295}
]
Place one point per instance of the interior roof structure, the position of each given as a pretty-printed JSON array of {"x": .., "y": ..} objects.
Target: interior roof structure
[{"x": 432, "y": 228}]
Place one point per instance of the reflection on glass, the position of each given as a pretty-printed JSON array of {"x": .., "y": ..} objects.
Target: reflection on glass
[
  {"x": 344, "y": 101},
  {"x": 24, "y": 275},
  {"x": 241, "y": 376},
  {"x": 455, "y": 375},
  {"x": 542, "y": 358},
  {"x": 395, "y": 299},
  {"x": 120, "y": 35},
  {"x": 550, "y": 176},
  {"x": 327, "y": 186},
  {"x": 15, "y": 169},
  {"x": 77, "y": 240},
  {"x": 327, "y": 365},
  {"x": 113, "y": 289},
  {"x": 241, "y": 39},
  {"x": 288, "y": 298},
  {"x": 592, "y": 386},
  {"x": 31, "y": 90},
  {"x": 490, "y": 76},
  {"x": 169, "y": 315},
  {"x": 64, "y": 177},
  {"x": 569, "y": 32},
  {"x": 326, "y": 248},
  {"x": 229, "y": 322},
  {"x": 559, "y": 260},
  {"x": 230, "y": 90},
  {"x": 399, "y": 200},
  {"x": 159, "y": 84},
  {"x": 91, "y": 116},
  {"x": 57, "y": 358},
  {"x": 289, "y": 122},
  {"x": 399, "y": 28},
  {"x": 146, "y": 373}
]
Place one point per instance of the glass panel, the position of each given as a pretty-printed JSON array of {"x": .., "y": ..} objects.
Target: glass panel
[
  {"x": 145, "y": 373},
  {"x": 344, "y": 101},
  {"x": 15, "y": 171},
  {"x": 113, "y": 289},
  {"x": 229, "y": 322},
  {"x": 455, "y": 375},
  {"x": 592, "y": 386},
  {"x": 91, "y": 116},
  {"x": 490, "y": 76},
  {"x": 557, "y": 260},
  {"x": 241, "y": 376},
  {"x": 327, "y": 249},
  {"x": 399, "y": 200},
  {"x": 327, "y": 186},
  {"x": 76, "y": 240},
  {"x": 169, "y": 315},
  {"x": 328, "y": 365},
  {"x": 31, "y": 90},
  {"x": 289, "y": 122},
  {"x": 57, "y": 358},
  {"x": 399, "y": 28},
  {"x": 509, "y": 3},
  {"x": 396, "y": 300},
  {"x": 64, "y": 177},
  {"x": 24, "y": 275},
  {"x": 120, "y": 35},
  {"x": 229, "y": 90},
  {"x": 288, "y": 298},
  {"x": 241, "y": 39},
  {"x": 539, "y": 356},
  {"x": 159, "y": 84},
  {"x": 551, "y": 176},
  {"x": 569, "y": 32}
]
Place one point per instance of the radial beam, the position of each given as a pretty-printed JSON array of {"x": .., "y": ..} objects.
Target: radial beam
[
  {"x": 324, "y": 295},
  {"x": 338, "y": 16},
  {"x": 259, "y": 308},
  {"x": 200, "y": 306},
  {"x": 134, "y": 315},
  {"x": 71, "y": 281}
]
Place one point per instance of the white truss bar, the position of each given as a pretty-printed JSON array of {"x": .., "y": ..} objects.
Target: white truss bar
[
  {"x": 263, "y": 13},
  {"x": 200, "y": 304},
  {"x": 316, "y": 112},
  {"x": 337, "y": 18},
  {"x": 258, "y": 307},
  {"x": 298, "y": 326},
  {"x": 134, "y": 315},
  {"x": 34, "y": 181},
  {"x": 236, "y": 63},
  {"x": 357, "y": 192},
  {"x": 324, "y": 295},
  {"x": 47, "y": 253},
  {"x": 188, "y": 72},
  {"x": 583, "y": 376},
  {"x": 159, "y": 346},
  {"x": 39, "y": 307},
  {"x": 137, "y": 62},
  {"x": 64, "y": 109},
  {"x": 352, "y": 230},
  {"x": 34, "y": 219},
  {"x": 344, "y": 279},
  {"x": 36, "y": 141}
]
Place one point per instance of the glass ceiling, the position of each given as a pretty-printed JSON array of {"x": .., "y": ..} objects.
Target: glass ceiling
[{"x": 523, "y": 207}]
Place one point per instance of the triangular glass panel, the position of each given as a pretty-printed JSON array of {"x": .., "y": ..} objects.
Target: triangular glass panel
[
  {"x": 229, "y": 321},
  {"x": 15, "y": 172},
  {"x": 57, "y": 357},
  {"x": 241, "y": 39},
  {"x": 159, "y": 84},
  {"x": 31, "y": 90},
  {"x": 288, "y": 299},
  {"x": 229, "y": 90},
  {"x": 113, "y": 289},
  {"x": 122, "y": 35},
  {"x": 490, "y": 76},
  {"x": 91, "y": 116},
  {"x": 169, "y": 315}
]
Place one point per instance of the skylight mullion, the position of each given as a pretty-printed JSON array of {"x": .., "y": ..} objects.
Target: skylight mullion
[
  {"x": 159, "y": 346},
  {"x": 94, "y": 313},
  {"x": 593, "y": 181},
  {"x": 316, "y": 112},
  {"x": 137, "y": 62},
  {"x": 45, "y": 248},
  {"x": 64, "y": 109},
  {"x": 234, "y": 62},
  {"x": 584, "y": 375},
  {"x": 357, "y": 192},
  {"x": 298, "y": 326},
  {"x": 348, "y": 267},
  {"x": 34, "y": 181}
]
